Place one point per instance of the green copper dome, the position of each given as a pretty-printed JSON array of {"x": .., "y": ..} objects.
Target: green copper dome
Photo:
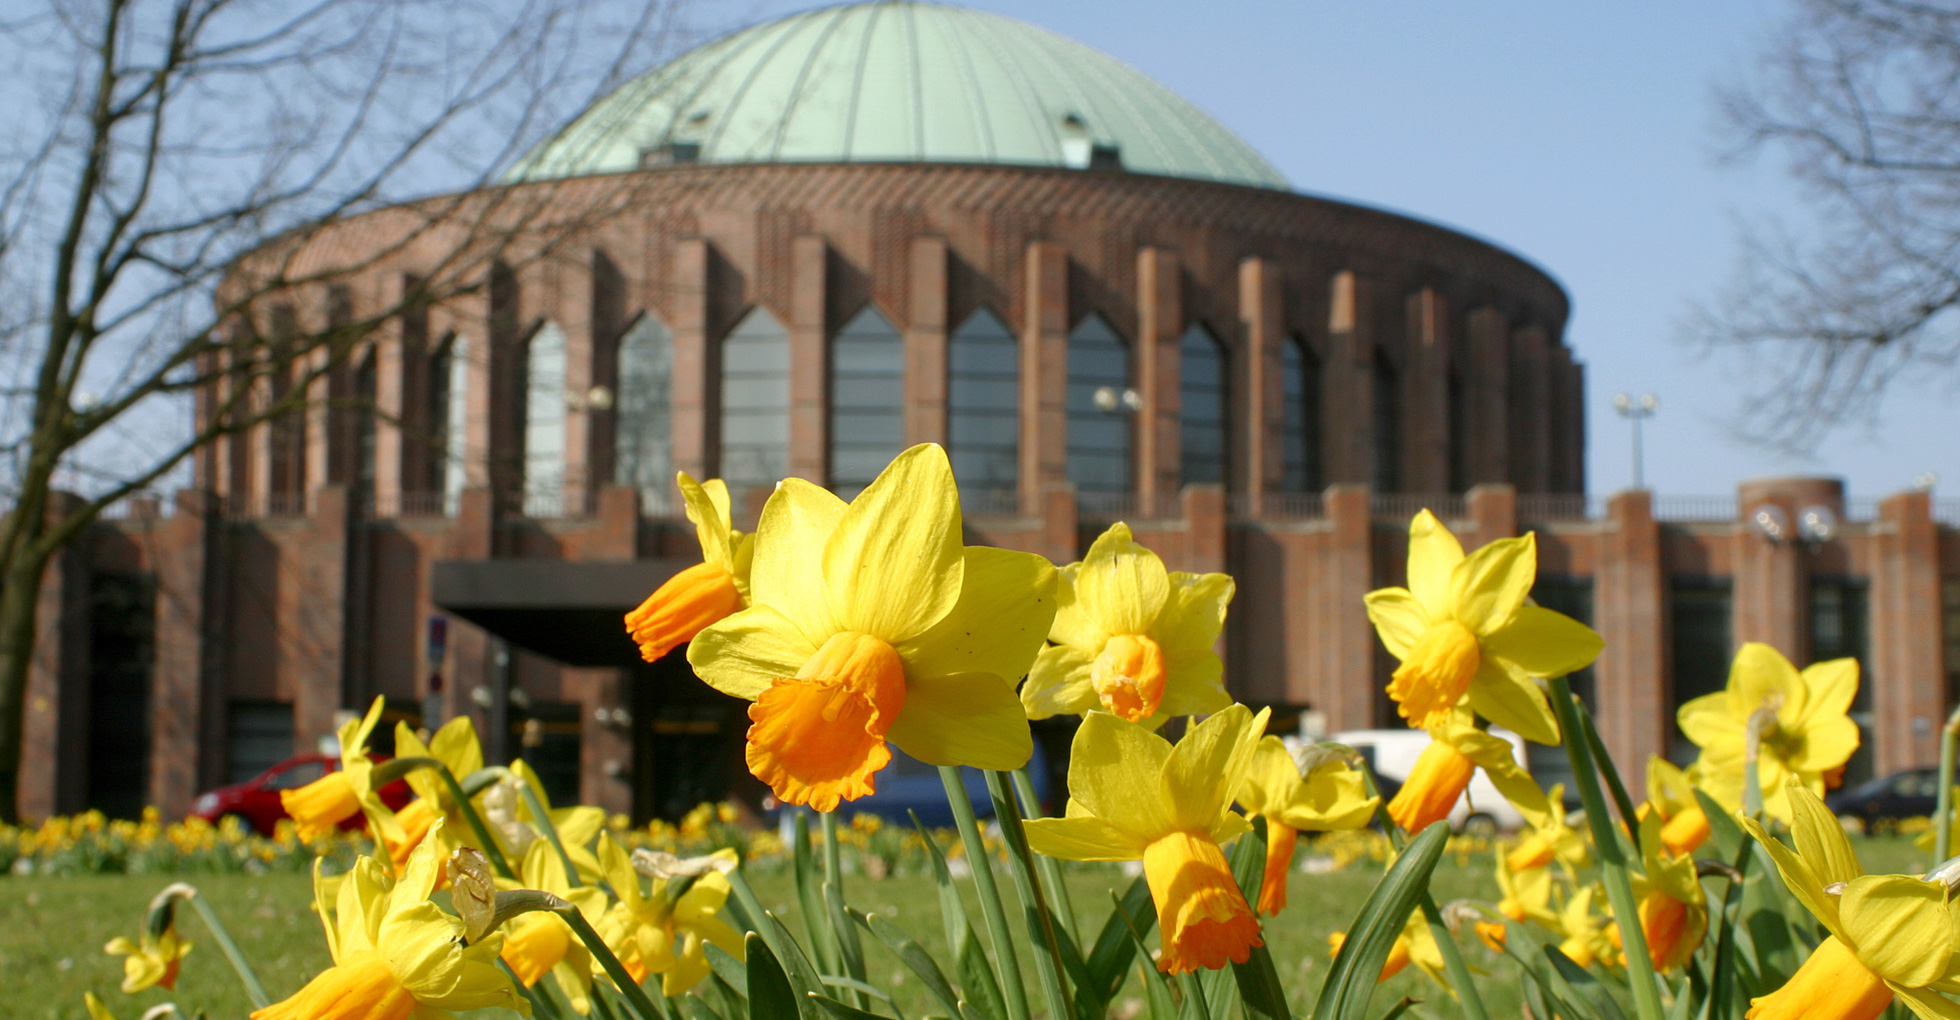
[{"x": 898, "y": 82}]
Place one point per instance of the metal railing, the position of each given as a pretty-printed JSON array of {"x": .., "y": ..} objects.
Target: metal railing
[
  {"x": 1559, "y": 506},
  {"x": 1277, "y": 506},
  {"x": 1402, "y": 506},
  {"x": 990, "y": 502},
  {"x": 1105, "y": 506},
  {"x": 1691, "y": 509}
]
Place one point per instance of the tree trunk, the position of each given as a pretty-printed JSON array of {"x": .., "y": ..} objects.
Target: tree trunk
[{"x": 20, "y": 596}]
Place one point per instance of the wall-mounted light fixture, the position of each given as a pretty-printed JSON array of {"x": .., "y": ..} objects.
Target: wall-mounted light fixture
[
  {"x": 1817, "y": 524},
  {"x": 1772, "y": 522}
]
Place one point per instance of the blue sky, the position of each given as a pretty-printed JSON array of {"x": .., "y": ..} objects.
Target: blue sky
[{"x": 1578, "y": 135}]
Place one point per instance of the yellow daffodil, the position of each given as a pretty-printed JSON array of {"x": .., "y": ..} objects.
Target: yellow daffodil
[
  {"x": 1398, "y": 953},
  {"x": 1415, "y": 944},
  {"x": 1526, "y": 896},
  {"x": 541, "y": 942},
  {"x": 657, "y": 932},
  {"x": 1810, "y": 736},
  {"x": 321, "y": 805},
  {"x": 1131, "y": 638},
  {"x": 1890, "y": 935},
  {"x": 1671, "y": 791},
  {"x": 154, "y": 961},
  {"x": 454, "y": 745},
  {"x": 1134, "y": 796},
  {"x": 1464, "y": 630},
  {"x": 1331, "y": 797},
  {"x": 1551, "y": 838},
  {"x": 1444, "y": 769},
  {"x": 396, "y": 955},
  {"x": 873, "y": 621},
  {"x": 1673, "y": 908},
  {"x": 1587, "y": 939},
  {"x": 702, "y": 594},
  {"x": 97, "y": 1010}
]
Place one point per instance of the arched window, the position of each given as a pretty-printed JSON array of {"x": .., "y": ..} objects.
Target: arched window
[
  {"x": 1203, "y": 389},
  {"x": 1388, "y": 427},
  {"x": 1300, "y": 438},
  {"x": 983, "y": 404},
  {"x": 544, "y": 424},
  {"x": 755, "y": 402},
  {"x": 1100, "y": 406},
  {"x": 643, "y": 420},
  {"x": 867, "y": 400}
]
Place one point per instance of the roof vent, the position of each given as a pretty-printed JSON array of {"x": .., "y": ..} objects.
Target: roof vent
[
  {"x": 1105, "y": 157},
  {"x": 670, "y": 154},
  {"x": 1077, "y": 149}
]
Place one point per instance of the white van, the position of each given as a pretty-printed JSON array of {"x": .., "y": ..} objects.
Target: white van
[{"x": 1393, "y": 754}]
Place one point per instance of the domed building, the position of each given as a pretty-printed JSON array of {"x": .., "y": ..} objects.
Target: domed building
[{"x": 797, "y": 250}]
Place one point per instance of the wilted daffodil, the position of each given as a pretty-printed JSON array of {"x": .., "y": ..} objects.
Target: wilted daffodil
[
  {"x": 396, "y": 955},
  {"x": 873, "y": 621},
  {"x": 324, "y": 803},
  {"x": 706, "y": 592},
  {"x": 1131, "y": 638},
  {"x": 1890, "y": 935},
  {"x": 1673, "y": 908},
  {"x": 653, "y": 932},
  {"x": 1464, "y": 629},
  {"x": 1134, "y": 796},
  {"x": 1671, "y": 791},
  {"x": 1551, "y": 838},
  {"x": 1331, "y": 796},
  {"x": 154, "y": 961},
  {"x": 1444, "y": 769},
  {"x": 1804, "y": 732},
  {"x": 541, "y": 942},
  {"x": 454, "y": 745}
]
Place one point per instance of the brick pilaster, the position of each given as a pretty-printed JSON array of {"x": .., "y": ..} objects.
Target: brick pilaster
[{"x": 1635, "y": 713}]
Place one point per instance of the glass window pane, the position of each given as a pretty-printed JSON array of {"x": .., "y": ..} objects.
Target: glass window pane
[
  {"x": 983, "y": 404},
  {"x": 544, "y": 424},
  {"x": 867, "y": 399},
  {"x": 755, "y": 402},
  {"x": 1388, "y": 424},
  {"x": 643, "y": 425},
  {"x": 1204, "y": 429},
  {"x": 1700, "y": 615},
  {"x": 1098, "y": 414},
  {"x": 1300, "y": 441}
]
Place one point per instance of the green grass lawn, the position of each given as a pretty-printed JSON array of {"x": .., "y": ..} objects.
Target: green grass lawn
[{"x": 52, "y": 931}]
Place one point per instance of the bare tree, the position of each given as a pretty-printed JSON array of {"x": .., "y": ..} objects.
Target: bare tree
[
  {"x": 1863, "y": 99},
  {"x": 168, "y": 168}
]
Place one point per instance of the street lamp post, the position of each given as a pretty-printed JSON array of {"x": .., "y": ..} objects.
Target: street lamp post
[{"x": 1636, "y": 410}]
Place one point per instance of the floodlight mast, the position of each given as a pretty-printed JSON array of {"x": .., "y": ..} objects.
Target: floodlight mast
[{"x": 1636, "y": 410}]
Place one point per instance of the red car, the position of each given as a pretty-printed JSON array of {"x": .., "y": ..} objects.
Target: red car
[{"x": 256, "y": 801}]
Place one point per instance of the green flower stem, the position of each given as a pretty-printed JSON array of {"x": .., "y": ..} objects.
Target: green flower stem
[
  {"x": 489, "y": 842},
  {"x": 222, "y": 935},
  {"x": 1194, "y": 991},
  {"x": 1048, "y": 966},
  {"x": 1943, "y": 814},
  {"x": 1453, "y": 963},
  {"x": 738, "y": 881},
  {"x": 542, "y": 818},
  {"x": 1051, "y": 870},
  {"x": 990, "y": 905},
  {"x": 1621, "y": 802},
  {"x": 1612, "y": 857},
  {"x": 540, "y": 1006},
  {"x": 635, "y": 995}
]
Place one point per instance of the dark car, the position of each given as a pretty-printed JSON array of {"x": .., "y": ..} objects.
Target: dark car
[
  {"x": 256, "y": 801},
  {"x": 908, "y": 784},
  {"x": 1880, "y": 803}
]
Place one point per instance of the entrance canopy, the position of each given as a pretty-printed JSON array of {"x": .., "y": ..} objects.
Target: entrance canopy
[{"x": 567, "y": 611}]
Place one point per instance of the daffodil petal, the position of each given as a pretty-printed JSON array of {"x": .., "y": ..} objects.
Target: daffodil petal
[
  {"x": 1798, "y": 878},
  {"x": 1059, "y": 683},
  {"x": 1082, "y": 839},
  {"x": 896, "y": 564},
  {"x": 1928, "y": 1005},
  {"x": 1197, "y": 684},
  {"x": 1195, "y": 612},
  {"x": 1122, "y": 584},
  {"x": 1544, "y": 643},
  {"x": 1399, "y": 617},
  {"x": 1831, "y": 686},
  {"x": 794, "y": 529},
  {"x": 1513, "y": 702},
  {"x": 1898, "y": 927},
  {"x": 744, "y": 653},
  {"x": 1227, "y": 827},
  {"x": 1826, "y": 744},
  {"x": 964, "y": 719},
  {"x": 1000, "y": 623},
  {"x": 1074, "y": 625},
  {"x": 1206, "y": 768},
  {"x": 1821, "y": 839},
  {"x": 1490, "y": 584},
  {"x": 1760, "y": 671},
  {"x": 710, "y": 520},
  {"x": 1433, "y": 556},
  {"x": 1116, "y": 772},
  {"x": 1708, "y": 721}
]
